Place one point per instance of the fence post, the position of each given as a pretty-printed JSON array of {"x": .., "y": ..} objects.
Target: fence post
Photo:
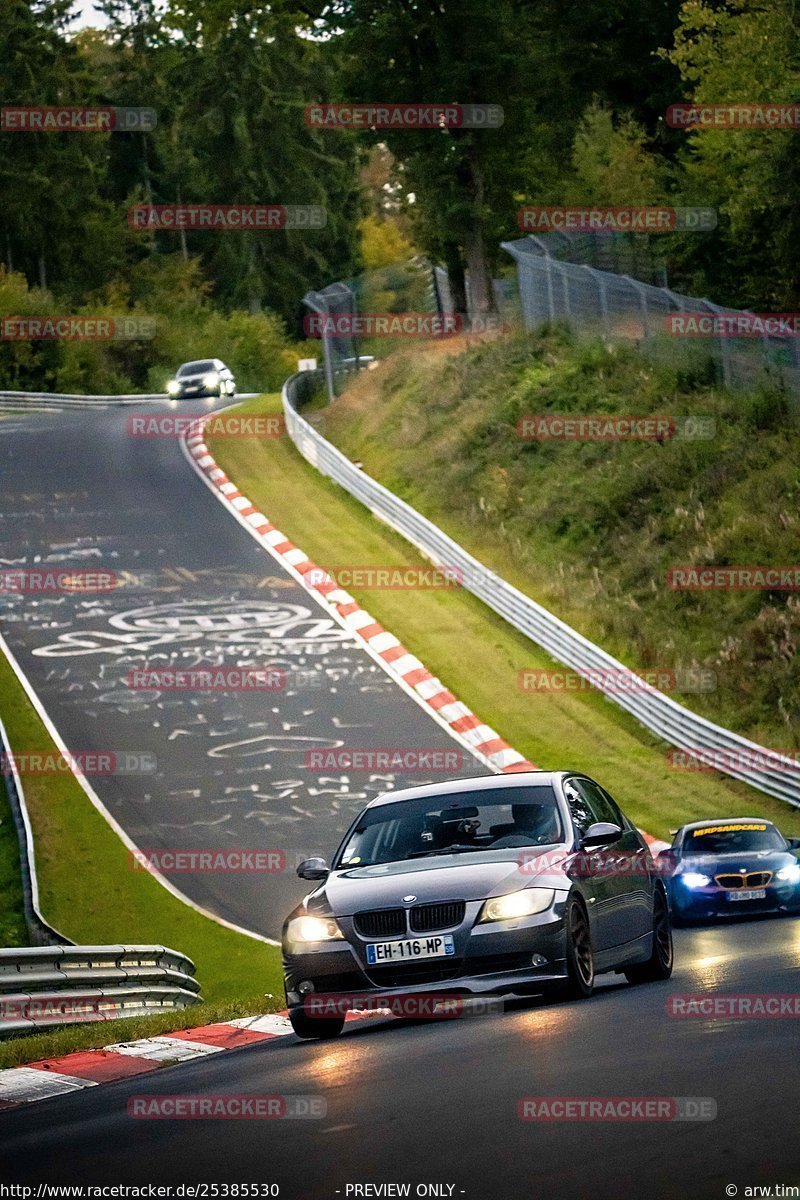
[
  {"x": 603, "y": 297},
  {"x": 550, "y": 301},
  {"x": 639, "y": 289},
  {"x": 316, "y": 303},
  {"x": 724, "y": 356}
]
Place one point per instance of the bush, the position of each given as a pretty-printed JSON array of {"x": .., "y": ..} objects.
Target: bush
[{"x": 172, "y": 293}]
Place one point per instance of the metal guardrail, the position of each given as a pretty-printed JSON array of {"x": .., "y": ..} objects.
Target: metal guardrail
[
  {"x": 702, "y": 740},
  {"x": 39, "y": 931},
  {"x": 56, "y": 983},
  {"x": 66, "y": 400},
  {"x": 46, "y": 986},
  {"x": 30, "y": 401}
]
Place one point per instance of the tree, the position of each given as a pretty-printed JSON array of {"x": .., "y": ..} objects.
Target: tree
[
  {"x": 444, "y": 51},
  {"x": 613, "y": 163},
  {"x": 48, "y": 180},
  {"x": 743, "y": 51}
]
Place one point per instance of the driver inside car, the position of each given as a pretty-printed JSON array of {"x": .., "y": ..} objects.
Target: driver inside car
[{"x": 532, "y": 825}]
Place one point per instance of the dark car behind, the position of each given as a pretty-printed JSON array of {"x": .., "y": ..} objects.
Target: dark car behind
[{"x": 731, "y": 868}]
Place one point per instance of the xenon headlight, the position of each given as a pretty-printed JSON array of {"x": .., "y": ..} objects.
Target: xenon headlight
[
  {"x": 313, "y": 929},
  {"x": 173, "y": 387},
  {"x": 693, "y": 879},
  {"x": 790, "y": 874},
  {"x": 211, "y": 380},
  {"x": 517, "y": 904}
]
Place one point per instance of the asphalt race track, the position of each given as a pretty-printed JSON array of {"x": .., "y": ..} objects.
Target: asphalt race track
[
  {"x": 193, "y": 589},
  {"x": 437, "y": 1102},
  {"x": 428, "y": 1103}
]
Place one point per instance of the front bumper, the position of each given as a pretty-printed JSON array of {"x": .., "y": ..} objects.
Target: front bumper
[
  {"x": 192, "y": 392},
  {"x": 715, "y": 901},
  {"x": 490, "y": 958}
]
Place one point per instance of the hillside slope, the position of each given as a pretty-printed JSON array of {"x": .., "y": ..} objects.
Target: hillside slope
[{"x": 591, "y": 528}]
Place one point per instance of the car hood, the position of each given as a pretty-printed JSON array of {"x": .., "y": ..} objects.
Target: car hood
[
  {"x": 751, "y": 860},
  {"x": 448, "y": 877}
]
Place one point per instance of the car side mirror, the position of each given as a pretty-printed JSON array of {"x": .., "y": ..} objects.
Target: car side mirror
[
  {"x": 794, "y": 843},
  {"x": 601, "y": 833},
  {"x": 313, "y": 868},
  {"x": 666, "y": 861}
]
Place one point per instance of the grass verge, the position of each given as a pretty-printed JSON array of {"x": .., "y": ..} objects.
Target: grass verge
[
  {"x": 13, "y": 930},
  {"x": 56, "y": 1042},
  {"x": 476, "y": 653},
  {"x": 88, "y": 891},
  {"x": 591, "y": 528}
]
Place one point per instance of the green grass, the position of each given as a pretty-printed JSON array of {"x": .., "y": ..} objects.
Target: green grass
[
  {"x": 13, "y": 930},
  {"x": 589, "y": 529},
  {"x": 56, "y": 1042},
  {"x": 476, "y": 653},
  {"x": 88, "y": 891}
]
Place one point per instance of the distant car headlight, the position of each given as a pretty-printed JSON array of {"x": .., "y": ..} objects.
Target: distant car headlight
[
  {"x": 313, "y": 929},
  {"x": 173, "y": 387},
  {"x": 517, "y": 904},
  {"x": 211, "y": 379},
  {"x": 790, "y": 874},
  {"x": 693, "y": 879}
]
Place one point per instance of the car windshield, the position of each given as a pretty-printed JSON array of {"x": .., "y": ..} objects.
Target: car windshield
[
  {"x": 733, "y": 838},
  {"x": 455, "y": 823},
  {"x": 196, "y": 368}
]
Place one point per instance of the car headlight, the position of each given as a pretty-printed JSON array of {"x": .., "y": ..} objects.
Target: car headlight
[
  {"x": 517, "y": 904},
  {"x": 693, "y": 879},
  {"x": 173, "y": 387},
  {"x": 313, "y": 929},
  {"x": 790, "y": 874},
  {"x": 211, "y": 380}
]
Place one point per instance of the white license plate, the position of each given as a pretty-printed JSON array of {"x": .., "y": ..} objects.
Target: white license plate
[
  {"x": 433, "y": 946},
  {"x": 748, "y": 894}
]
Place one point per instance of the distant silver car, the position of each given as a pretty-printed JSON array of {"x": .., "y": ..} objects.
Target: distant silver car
[{"x": 205, "y": 377}]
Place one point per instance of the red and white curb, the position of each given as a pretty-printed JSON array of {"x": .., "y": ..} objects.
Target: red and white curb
[
  {"x": 400, "y": 663},
  {"x": 88, "y": 1068}
]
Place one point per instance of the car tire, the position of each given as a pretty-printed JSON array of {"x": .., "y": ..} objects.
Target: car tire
[
  {"x": 308, "y": 1028},
  {"x": 659, "y": 964},
  {"x": 579, "y": 954}
]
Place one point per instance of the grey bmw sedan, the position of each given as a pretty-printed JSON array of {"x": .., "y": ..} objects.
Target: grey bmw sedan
[{"x": 512, "y": 884}]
